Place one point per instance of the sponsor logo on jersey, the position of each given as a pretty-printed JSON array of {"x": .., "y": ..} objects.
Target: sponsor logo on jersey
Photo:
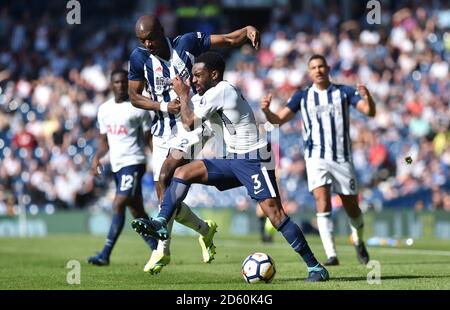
[{"x": 115, "y": 129}]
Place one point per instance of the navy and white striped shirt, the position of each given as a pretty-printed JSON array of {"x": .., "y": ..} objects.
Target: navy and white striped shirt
[
  {"x": 325, "y": 115},
  {"x": 158, "y": 73}
]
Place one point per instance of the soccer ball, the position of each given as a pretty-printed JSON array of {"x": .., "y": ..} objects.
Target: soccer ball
[{"x": 258, "y": 267}]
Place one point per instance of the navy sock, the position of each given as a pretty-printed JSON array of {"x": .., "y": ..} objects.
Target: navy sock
[
  {"x": 173, "y": 196},
  {"x": 118, "y": 220},
  {"x": 294, "y": 236},
  {"x": 151, "y": 242}
]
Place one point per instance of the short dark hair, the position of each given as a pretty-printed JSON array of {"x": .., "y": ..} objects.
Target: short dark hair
[
  {"x": 119, "y": 71},
  {"x": 212, "y": 61},
  {"x": 317, "y": 56}
]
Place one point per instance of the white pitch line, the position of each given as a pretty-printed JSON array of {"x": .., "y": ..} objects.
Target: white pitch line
[{"x": 399, "y": 251}]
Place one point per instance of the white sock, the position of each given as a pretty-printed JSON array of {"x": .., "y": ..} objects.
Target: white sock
[
  {"x": 188, "y": 218},
  {"x": 164, "y": 245},
  {"x": 357, "y": 227},
  {"x": 326, "y": 230}
]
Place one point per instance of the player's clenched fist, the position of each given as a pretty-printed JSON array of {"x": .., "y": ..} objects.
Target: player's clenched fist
[
  {"x": 362, "y": 90},
  {"x": 265, "y": 102},
  {"x": 96, "y": 167},
  {"x": 180, "y": 87},
  {"x": 174, "y": 106},
  {"x": 253, "y": 35}
]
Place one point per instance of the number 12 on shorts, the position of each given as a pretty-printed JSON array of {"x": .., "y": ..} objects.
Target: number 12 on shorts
[{"x": 126, "y": 182}]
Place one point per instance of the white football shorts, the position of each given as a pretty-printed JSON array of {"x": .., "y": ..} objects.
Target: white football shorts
[
  {"x": 185, "y": 141},
  {"x": 341, "y": 176}
]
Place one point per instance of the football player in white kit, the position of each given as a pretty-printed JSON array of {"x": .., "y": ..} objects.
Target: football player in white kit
[
  {"x": 324, "y": 107},
  {"x": 124, "y": 132},
  {"x": 248, "y": 162},
  {"x": 152, "y": 66}
]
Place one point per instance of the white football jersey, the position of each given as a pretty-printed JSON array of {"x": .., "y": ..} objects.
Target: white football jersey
[
  {"x": 228, "y": 111},
  {"x": 124, "y": 126}
]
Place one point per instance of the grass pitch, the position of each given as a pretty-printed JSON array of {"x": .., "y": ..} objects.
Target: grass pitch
[{"x": 40, "y": 263}]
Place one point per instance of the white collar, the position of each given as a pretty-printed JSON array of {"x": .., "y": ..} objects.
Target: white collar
[{"x": 314, "y": 87}]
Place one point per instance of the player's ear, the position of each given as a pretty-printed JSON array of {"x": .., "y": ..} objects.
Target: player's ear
[{"x": 215, "y": 75}]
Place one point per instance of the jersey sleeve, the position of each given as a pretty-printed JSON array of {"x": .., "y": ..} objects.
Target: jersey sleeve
[
  {"x": 210, "y": 103},
  {"x": 136, "y": 66},
  {"x": 352, "y": 95},
  {"x": 295, "y": 100},
  {"x": 195, "y": 42}
]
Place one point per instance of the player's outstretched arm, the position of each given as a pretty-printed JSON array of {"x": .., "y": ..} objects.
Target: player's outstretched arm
[
  {"x": 279, "y": 118},
  {"x": 135, "y": 89},
  {"x": 236, "y": 38},
  {"x": 102, "y": 149},
  {"x": 366, "y": 105}
]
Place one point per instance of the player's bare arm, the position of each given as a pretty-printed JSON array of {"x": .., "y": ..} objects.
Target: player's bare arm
[
  {"x": 279, "y": 118},
  {"x": 366, "y": 105},
  {"x": 236, "y": 38},
  {"x": 135, "y": 89},
  {"x": 148, "y": 140},
  {"x": 182, "y": 89},
  {"x": 102, "y": 149}
]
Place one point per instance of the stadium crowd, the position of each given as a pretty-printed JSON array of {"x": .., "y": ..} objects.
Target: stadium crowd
[{"x": 53, "y": 76}]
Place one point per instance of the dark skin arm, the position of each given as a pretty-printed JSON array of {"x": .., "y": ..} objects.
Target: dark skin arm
[
  {"x": 283, "y": 116},
  {"x": 367, "y": 104},
  {"x": 188, "y": 117},
  {"x": 102, "y": 149},
  {"x": 135, "y": 89},
  {"x": 148, "y": 137},
  {"x": 236, "y": 38}
]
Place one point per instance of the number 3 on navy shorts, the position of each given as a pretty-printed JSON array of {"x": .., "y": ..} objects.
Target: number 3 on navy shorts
[{"x": 256, "y": 184}]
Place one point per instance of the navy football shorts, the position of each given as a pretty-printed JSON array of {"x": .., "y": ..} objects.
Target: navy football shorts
[
  {"x": 256, "y": 175},
  {"x": 128, "y": 180}
]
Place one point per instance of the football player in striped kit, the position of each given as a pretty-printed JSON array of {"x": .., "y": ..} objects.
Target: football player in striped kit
[
  {"x": 324, "y": 108},
  {"x": 152, "y": 67}
]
